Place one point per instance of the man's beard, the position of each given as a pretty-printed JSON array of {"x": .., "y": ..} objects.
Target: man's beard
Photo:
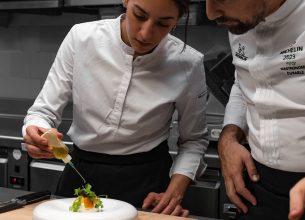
[{"x": 241, "y": 27}]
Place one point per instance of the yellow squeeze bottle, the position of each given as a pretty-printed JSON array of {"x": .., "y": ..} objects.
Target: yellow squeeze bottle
[{"x": 60, "y": 150}]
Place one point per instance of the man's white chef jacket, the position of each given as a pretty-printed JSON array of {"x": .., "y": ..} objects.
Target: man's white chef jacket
[{"x": 270, "y": 88}]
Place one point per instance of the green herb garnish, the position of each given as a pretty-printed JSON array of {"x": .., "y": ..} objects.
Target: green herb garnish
[
  {"x": 76, "y": 204},
  {"x": 85, "y": 192}
]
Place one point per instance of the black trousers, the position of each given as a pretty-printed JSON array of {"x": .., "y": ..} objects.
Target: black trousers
[
  {"x": 271, "y": 192},
  {"x": 125, "y": 177}
]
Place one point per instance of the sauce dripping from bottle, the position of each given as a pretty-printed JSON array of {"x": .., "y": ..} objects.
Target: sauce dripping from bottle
[{"x": 60, "y": 150}]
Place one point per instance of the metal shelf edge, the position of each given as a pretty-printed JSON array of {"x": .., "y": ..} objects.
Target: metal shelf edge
[
  {"x": 91, "y": 2},
  {"x": 99, "y": 2},
  {"x": 9, "y": 5}
]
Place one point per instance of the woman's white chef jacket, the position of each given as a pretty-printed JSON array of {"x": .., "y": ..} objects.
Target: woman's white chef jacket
[{"x": 124, "y": 106}]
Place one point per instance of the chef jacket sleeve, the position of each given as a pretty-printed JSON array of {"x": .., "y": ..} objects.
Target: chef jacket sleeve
[
  {"x": 193, "y": 135},
  {"x": 48, "y": 107},
  {"x": 236, "y": 108}
]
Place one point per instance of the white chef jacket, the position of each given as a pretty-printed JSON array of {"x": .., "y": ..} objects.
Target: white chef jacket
[
  {"x": 123, "y": 106},
  {"x": 268, "y": 97}
]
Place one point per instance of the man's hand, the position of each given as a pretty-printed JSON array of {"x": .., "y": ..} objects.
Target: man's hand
[
  {"x": 169, "y": 202},
  {"x": 234, "y": 159},
  {"x": 297, "y": 200},
  {"x": 36, "y": 145}
]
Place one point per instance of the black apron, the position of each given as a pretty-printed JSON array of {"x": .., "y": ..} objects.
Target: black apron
[
  {"x": 124, "y": 177},
  {"x": 271, "y": 193}
]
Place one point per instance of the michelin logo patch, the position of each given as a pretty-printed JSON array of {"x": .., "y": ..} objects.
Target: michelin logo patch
[
  {"x": 240, "y": 53},
  {"x": 292, "y": 66}
]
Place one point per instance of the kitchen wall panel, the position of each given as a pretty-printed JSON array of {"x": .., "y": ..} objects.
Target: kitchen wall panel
[
  {"x": 19, "y": 65},
  {"x": 22, "y": 88},
  {"x": 4, "y": 63},
  {"x": 9, "y": 39},
  {"x": 27, "y": 50}
]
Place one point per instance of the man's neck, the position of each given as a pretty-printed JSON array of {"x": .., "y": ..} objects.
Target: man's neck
[{"x": 275, "y": 5}]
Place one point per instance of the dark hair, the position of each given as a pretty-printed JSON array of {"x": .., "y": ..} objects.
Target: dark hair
[{"x": 183, "y": 7}]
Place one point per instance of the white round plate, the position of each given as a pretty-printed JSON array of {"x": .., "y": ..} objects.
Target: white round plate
[{"x": 58, "y": 209}]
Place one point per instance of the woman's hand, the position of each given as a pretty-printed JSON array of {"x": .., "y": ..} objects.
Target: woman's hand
[
  {"x": 169, "y": 202},
  {"x": 297, "y": 200},
  {"x": 36, "y": 145}
]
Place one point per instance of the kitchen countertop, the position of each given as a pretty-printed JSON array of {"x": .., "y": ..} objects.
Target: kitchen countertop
[{"x": 25, "y": 213}]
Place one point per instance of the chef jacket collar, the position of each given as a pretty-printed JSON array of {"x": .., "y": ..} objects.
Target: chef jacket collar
[{"x": 285, "y": 10}]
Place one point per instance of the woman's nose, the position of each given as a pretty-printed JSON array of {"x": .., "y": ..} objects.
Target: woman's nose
[
  {"x": 147, "y": 31},
  {"x": 212, "y": 10}
]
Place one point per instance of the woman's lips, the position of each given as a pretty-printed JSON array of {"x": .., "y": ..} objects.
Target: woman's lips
[{"x": 144, "y": 44}]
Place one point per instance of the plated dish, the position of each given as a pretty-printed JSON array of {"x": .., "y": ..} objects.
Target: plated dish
[{"x": 59, "y": 209}]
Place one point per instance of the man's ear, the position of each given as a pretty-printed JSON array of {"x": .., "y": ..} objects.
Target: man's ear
[{"x": 124, "y": 3}]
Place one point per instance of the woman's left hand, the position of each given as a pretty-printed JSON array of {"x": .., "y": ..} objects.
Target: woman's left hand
[
  {"x": 165, "y": 203},
  {"x": 169, "y": 202},
  {"x": 297, "y": 200}
]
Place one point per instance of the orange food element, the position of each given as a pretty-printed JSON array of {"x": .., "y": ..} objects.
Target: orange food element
[{"x": 87, "y": 203}]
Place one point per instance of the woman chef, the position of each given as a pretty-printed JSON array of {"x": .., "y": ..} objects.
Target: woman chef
[{"x": 126, "y": 76}]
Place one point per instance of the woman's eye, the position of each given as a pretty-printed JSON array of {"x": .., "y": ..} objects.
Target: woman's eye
[
  {"x": 140, "y": 17},
  {"x": 163, "y": 25}
]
